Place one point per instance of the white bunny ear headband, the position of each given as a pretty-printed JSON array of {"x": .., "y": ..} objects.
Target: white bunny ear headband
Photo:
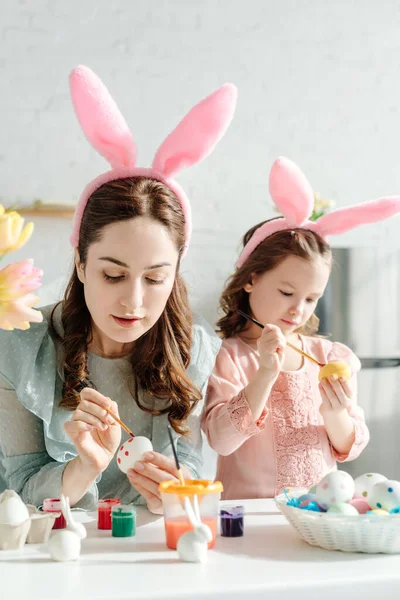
[
  {"x": 294, "y": 198},
  {"x": 189, "y": 143}
]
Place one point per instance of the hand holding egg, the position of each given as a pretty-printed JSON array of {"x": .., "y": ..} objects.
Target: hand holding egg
[
  {"x": 335, "y": 389},
  {"x": 340, "y": 369},
  {"x": 132, "y": 451}
]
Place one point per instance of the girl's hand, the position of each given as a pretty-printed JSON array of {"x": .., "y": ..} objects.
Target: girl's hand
[
  {"x": 336, "y": 395},
  {"x": 271, "y": 346},
  {"x": 94, "y": 433},
  {"x": 148, "y": 473}
]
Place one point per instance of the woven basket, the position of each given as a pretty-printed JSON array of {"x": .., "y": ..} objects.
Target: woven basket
[{"x": 349, "y": 533}]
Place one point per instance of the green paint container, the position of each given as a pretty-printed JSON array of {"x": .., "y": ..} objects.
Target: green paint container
[{"x": 123, "y": 521}]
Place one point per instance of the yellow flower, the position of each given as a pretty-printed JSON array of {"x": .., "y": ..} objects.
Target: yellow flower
[
  {"x": 19, "y": 313},
  {"x": 322, "y": 204},
  {"x": 13, "y": 234},
  {"x": 17, "y": 282}
]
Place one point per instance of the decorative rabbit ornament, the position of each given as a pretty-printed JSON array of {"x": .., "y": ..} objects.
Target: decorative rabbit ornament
[
  {"x": 294, "y": 198},
  {"x": 193, "y": 545},
  {"x": 65, "y": 544},
  {"x": 193, "y": 139},
  {"x": 72, "y": 525}
]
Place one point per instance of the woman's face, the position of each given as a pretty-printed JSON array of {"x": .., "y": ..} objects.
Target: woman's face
[{"x": 127, "y": 278}]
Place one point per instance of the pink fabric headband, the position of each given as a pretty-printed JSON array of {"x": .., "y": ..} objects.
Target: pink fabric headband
[
  {"x": 189, "y": 143},
  {"x": 294, "y": 198}
]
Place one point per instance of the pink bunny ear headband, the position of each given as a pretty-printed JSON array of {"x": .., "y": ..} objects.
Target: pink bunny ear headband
[
  {"x": 189, "y": 143},
  {"x": 294, "y": 198}
]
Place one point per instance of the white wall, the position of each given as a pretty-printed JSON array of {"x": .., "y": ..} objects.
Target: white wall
[{"x": 319, "y": 82}]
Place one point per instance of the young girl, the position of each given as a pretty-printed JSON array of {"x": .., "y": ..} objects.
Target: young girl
[
  {"x": 124, "y": 325},
  {"x": 270, "y": 420}
]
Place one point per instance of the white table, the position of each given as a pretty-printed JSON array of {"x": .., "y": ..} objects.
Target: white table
[{"x": 270, "y": 561}]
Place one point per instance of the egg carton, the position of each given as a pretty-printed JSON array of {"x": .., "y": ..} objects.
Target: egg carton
[
  {"x": 348, "y": 533},
  {"x": 22, "y": 524}
]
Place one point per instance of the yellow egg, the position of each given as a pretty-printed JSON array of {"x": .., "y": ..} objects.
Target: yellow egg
[
  {"x": 378, "y": 511},
  {"x": 340, "y": 369}
]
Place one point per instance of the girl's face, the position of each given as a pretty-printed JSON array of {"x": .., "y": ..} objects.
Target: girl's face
[
  {"x": 127, "y": 278},
  {"x": 287, "y": 295}
]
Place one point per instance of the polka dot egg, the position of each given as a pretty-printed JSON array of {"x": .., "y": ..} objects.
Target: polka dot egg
[
  {"x": 385, "y": 495},
  {"x": 335, "y": 487},
  {"x": 364, "y": 484},
  {"x": 131, "y": 451}
]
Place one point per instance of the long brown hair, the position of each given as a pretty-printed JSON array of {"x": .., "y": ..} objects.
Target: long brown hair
[
  {"x": 269, "y": 254},
  {"x": 159, "y": 357}
]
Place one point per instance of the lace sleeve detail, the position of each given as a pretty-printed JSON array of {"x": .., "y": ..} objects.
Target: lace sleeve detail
[{"x": 241, "y": 415}]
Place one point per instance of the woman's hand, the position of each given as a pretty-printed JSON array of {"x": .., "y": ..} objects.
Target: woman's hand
[
  {"x": 148, "y": 473},
  {"x": 94, "y": 433}
]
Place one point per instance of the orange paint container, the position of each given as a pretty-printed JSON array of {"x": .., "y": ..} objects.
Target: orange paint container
[{"x": 175, "y": 518}]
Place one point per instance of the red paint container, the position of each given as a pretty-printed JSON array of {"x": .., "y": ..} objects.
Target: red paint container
[
  {"x": 104, "y": 507},
  {"x": 51, "y": 505}
]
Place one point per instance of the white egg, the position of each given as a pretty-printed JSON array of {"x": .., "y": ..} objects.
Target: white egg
[
  {"x": 337, "y": 486},
  {"x": 64, "y": 545},
  {"x": 131, "y": 451},
  {"x": 13, "y": 511},
  {"x": 385, "y": 495},
  {"x": 364, "y": 484},
  {"x": 342, "y": 508}
]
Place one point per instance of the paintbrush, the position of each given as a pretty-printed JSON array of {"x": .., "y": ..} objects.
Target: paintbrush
[
  {"x": 314, "y": 360},
  {"x": 85, "y": 383},
  {"x": 178, "y": 467}
]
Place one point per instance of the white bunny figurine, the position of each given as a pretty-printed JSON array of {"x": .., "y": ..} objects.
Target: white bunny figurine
[
  {"x": 193, "y": 545},
  {"x": 72, "y": 525},
  {"x": 65, "y": 544}
]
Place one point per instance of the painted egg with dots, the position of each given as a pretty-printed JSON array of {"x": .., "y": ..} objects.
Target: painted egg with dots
[
  {"x": 131, "y": 451},
  {"x": 335, "y": 487},
  {"x": 385, "y": 495},
  {"x": 364, "y": 483}
]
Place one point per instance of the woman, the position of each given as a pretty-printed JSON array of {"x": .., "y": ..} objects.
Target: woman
[{"x": 124, "y": 325}]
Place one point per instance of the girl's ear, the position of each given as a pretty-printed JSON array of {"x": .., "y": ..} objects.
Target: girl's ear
[{"x": 80, "y": 271}]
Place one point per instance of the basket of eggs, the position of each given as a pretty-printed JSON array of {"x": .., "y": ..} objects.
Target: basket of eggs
[{"x": 342, "y": 513}]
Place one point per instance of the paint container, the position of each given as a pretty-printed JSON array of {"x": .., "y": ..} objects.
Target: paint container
[
  {"x": 123, "y": 520},
  {"x": 54, "y": 505},
  {"x": 231, "y": 520},
  {"x": 176, "y": 521},
  {"x": 104, "y": 507}
]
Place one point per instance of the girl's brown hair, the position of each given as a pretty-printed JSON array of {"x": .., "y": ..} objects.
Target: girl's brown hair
[
  {"x": 269, "y": 254},
  {"x": 160, "y": 357}
]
